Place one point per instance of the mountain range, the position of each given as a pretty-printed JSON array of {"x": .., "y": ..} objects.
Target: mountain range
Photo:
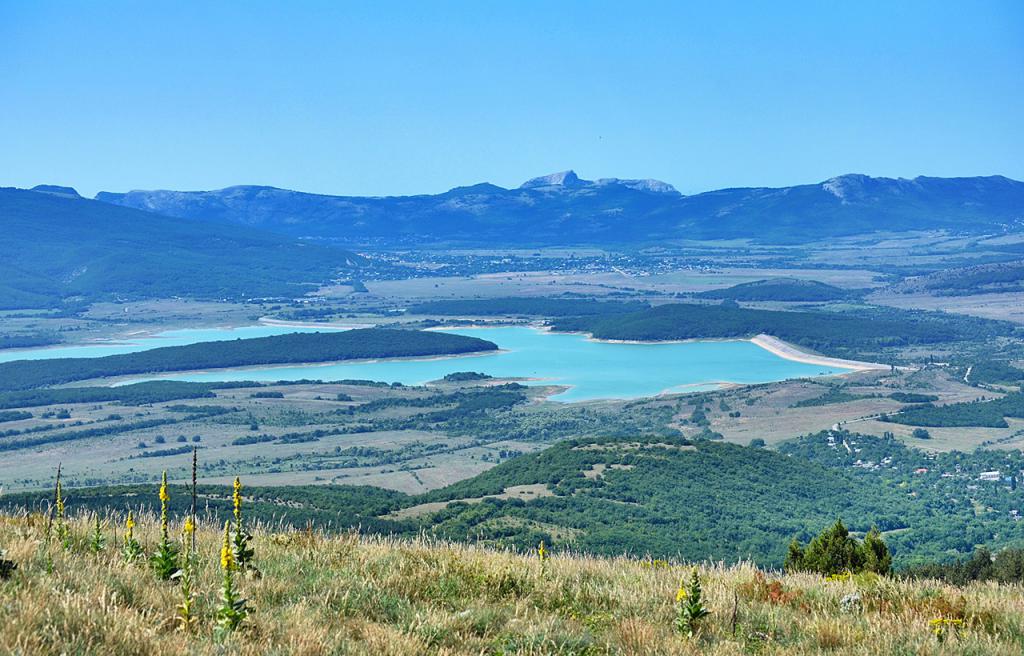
[
  {"x": 562, "y": 209},
  {"x": 249, "y": 242},
  {"x": 57, "y": 247}
]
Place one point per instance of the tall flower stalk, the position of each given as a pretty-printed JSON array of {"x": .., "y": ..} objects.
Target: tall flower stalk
[
  {"x": 99, "y": 541},
  {"x": 691, "y": 610},
  {"x": 242, "y": 551},
  {"x": 165, "y": 560},
  {"x": 232, "y": 610},
  {"x": 130, "y": 549},
  {"x": 63, "y": 535}
]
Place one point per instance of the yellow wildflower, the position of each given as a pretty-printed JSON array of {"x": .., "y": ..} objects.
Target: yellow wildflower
[
  {"x": 541, "y": 551},
  {"x": 130, "y": 522},
  {"x": 227, "y": 557},
  {"x": 236, "y": 498},
  {"x": 681, "y": 592},
  {"x": 164, "y": 497},
  {"x": 189, "y": 528}
]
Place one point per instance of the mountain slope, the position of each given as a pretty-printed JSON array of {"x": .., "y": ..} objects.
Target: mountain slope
[
  {"x": 55, "y": 246},
  {"x": 782, "y": 289},
  {"x": 562, "y": 208},
  {"x": 316, "y": 593},
  {"x": 663, "y": 497}
]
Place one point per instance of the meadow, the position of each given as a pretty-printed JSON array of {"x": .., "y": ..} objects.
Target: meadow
[{"x": 307, "y": 592}]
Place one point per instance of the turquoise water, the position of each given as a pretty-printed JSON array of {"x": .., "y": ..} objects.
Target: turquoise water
[
  {"x": 593, "y": 370},
  {"x": 142, "y": 343}
]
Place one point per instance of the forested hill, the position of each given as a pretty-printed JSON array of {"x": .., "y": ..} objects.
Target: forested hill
[
  {"x": 564, "y": 209},
  {"x": 860, "y": 335},
  {"x": 783, "y": 289},
  {"x": 56, "y": 247},
  {"x": 278, "y": 349},
  {"x": 664, "y": 497}
]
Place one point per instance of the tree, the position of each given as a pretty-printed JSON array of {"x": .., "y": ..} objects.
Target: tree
[
  {"x": 1008, "y": 566},
  {"x": 921, "y": 434},
  {"x": 876, "y": 554},
  {"x": 794, "y": 557},
  {"x": 833, "y": 551},
  {"x": 979, "y": 567}
]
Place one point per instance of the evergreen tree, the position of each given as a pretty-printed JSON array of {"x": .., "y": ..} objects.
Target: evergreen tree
[
  {"x": 876, "y": 554},
  {"x": 794, "y": 557},
  {"x": 833, "y": 551}
]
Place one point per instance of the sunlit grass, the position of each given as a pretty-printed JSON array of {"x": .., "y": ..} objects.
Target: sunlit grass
[{"x": 311, "y": 593}]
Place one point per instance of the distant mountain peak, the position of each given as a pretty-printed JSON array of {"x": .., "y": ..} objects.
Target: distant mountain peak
[
  {"x": 569, "y": 180},
  {"x": 648, "y": 184},
  {"x": 56, "y": 190},
  {"x": 560, "y": 179},
  {"x": 562, "y": 209}
]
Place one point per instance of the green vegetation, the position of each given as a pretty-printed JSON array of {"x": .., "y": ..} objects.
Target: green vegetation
[
  {"x": 663, "y": 497},
  {"x": 155, "y": 391},
  {"x": 57, "y": 249},
  {"x": 862, "y": 334},
  {"x": 834, "y": 551},
  {"x": 278, "y": 349},
  {"x": 29, "y": 341},
  {"x": 1006, "y": 566},
  {"x": 465, "y": 376},
  {"x": 631, "y": 492},
  {"x": 70, "y": 436},
  {"x": 835, "y": 394},
  {"x": 325, "y": 593},
  {"x": 912, "y": 397},
  {"x": 1001, "y": 277},
  {"x": 338, "y": 506},
  {"x": 959, "y": 500},
  {"x": 971, "y": 413},
  {"x": 783, "y": 289},
  {"x": 544, "y": 307},
  {"x": 994, "y": 372},
  {"x": 14, "y": 415}
]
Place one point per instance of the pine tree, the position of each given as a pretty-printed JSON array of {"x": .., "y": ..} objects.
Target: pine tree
[
  {"x": 876, "y": 554},
  {"x": 794, "y": 557},
  {"x": 833, "y": 551}
]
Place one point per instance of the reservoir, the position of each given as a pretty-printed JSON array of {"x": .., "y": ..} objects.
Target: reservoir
[{"x": 590, "y": 369}]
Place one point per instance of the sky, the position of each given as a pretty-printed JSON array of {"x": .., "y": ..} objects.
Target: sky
[{"x": 394, "y": 98}]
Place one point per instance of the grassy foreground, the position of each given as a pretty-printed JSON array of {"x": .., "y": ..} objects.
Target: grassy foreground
[{"x": 319, "y": 594}]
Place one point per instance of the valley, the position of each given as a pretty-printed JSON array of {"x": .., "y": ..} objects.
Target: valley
[{"x": 752, "y": 345}]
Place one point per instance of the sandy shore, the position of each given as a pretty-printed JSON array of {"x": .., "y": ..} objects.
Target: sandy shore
[
  {"x": 309, "y": 324},
  {"x": 790, "y": 352},
  {"x": 767, "y": 342}
]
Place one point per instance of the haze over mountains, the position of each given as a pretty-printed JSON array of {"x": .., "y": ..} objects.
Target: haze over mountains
[
  {"x": 561, "y": 208},
  {"x": 56, "y": 246},
  {"x": 248, "y": 241}
]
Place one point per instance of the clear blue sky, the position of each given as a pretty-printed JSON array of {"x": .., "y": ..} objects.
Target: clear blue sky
[{"x": 397, "y": 98}]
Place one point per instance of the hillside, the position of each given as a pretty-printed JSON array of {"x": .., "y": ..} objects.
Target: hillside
[
  {"x": 664, "y": 497},
  {"x": 564, "y": 209},
  {"x": 783, "y": 289},
  {"x": 864, "y": 334},
  {"x": 319, "y": 594},
  {"x": 993, "y": 278},
  {"x": 56, "y": 246},
  {"x": 335, "y": 346}
]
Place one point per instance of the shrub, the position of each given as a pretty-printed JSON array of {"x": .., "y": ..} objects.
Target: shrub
[{"x": 834, "y": 552}]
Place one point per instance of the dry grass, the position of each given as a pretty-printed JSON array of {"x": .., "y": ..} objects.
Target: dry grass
[{"x": 346, "y": 594}]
